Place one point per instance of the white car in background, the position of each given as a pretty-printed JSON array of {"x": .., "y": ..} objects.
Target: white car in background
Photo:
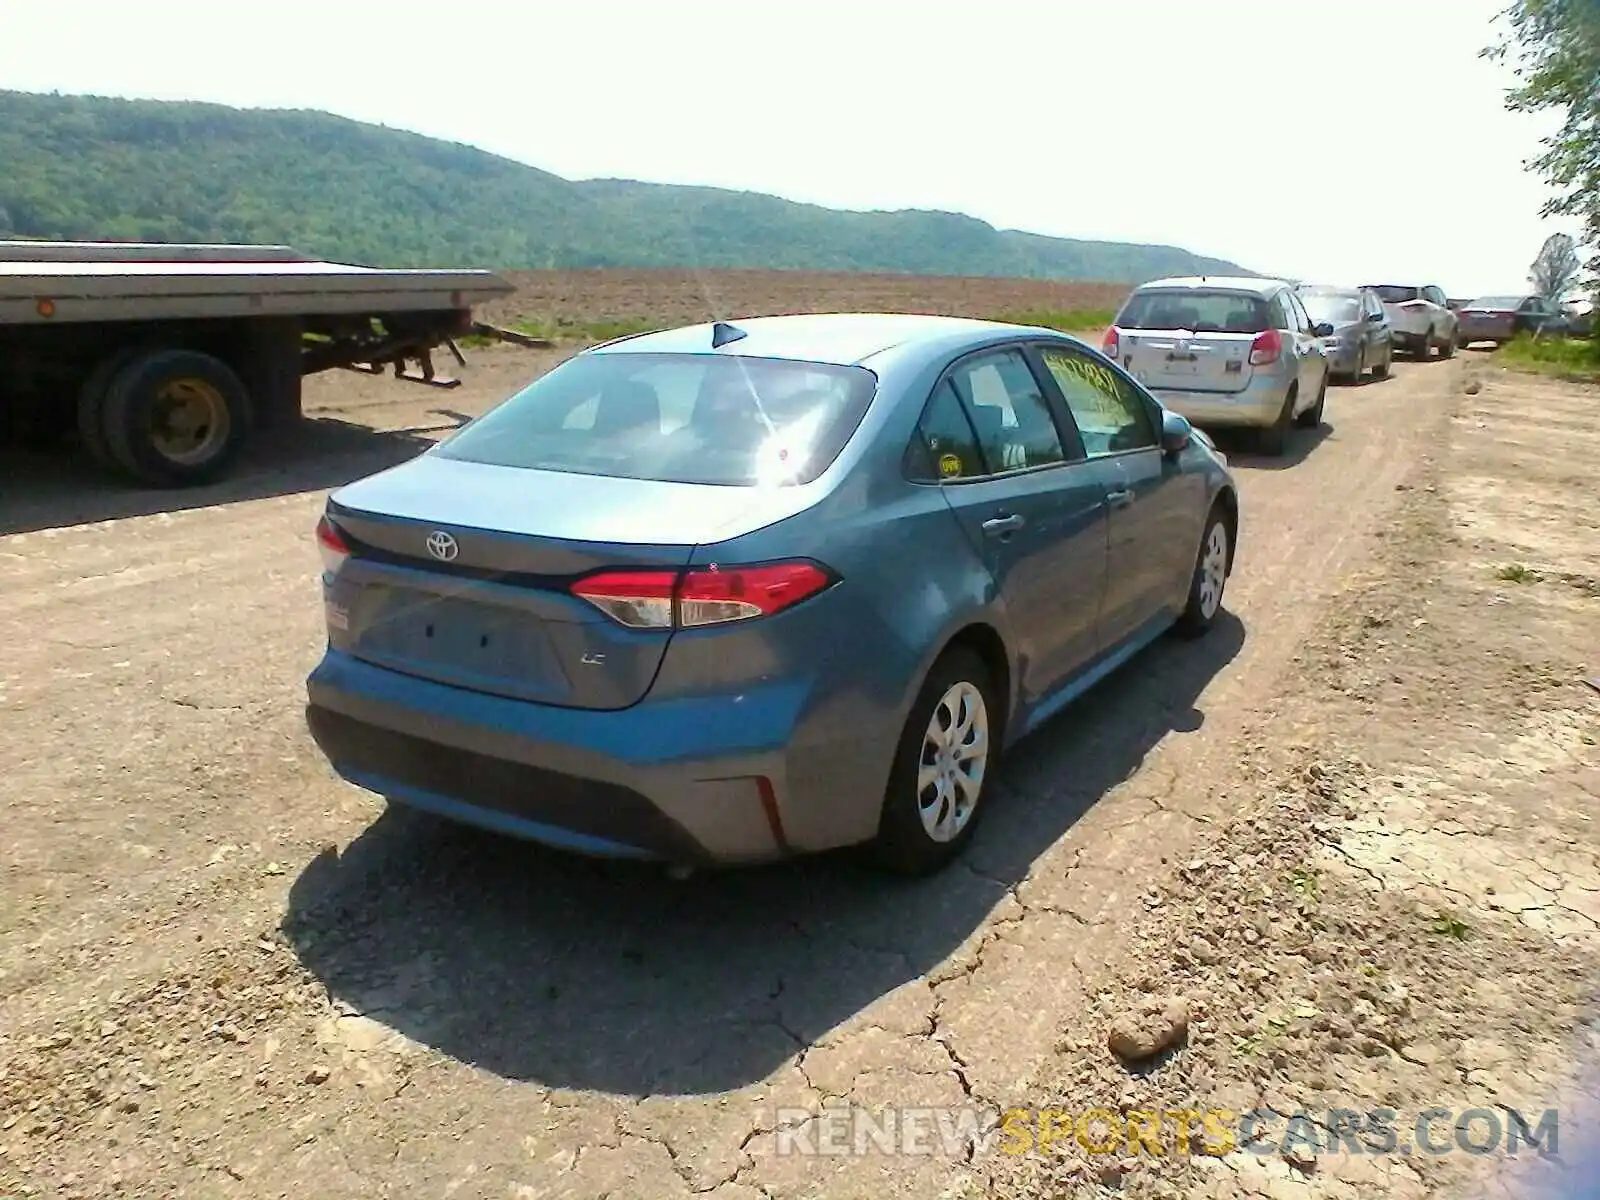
[{"x": 1420, "y": 316}]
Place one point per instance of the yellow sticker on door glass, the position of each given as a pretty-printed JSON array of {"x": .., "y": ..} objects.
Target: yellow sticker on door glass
[{"x": 949, "y": 466}]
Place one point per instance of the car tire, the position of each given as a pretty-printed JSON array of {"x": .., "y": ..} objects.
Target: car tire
[
  {"x": 1385, "y": 364},
  {"x": 132, "y": 409},
  {"x": 91, "y": 406},
  {"x": 1422, "y": 351},
  {"x": 921, "y": 829},
  {"x": 1274, "y": 439},
  {"x": 1212, "y": 565},
  {"x": 1312, "y": 417},
  {"x": 1448, "y": 348}
]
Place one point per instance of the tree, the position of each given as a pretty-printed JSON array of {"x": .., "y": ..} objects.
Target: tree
[
  {"x": 1553, "y": 273},
  {"x": 1554, "y": 46}
]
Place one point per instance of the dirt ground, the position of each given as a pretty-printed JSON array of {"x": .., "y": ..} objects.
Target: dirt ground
[
  {"x": 1348, "y": 832},
  {"x": 684, "y": 297}
]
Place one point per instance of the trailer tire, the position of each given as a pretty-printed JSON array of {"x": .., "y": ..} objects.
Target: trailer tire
[
  {"x": 175, "y": 418},
  {"x": 91, "y": 414}
]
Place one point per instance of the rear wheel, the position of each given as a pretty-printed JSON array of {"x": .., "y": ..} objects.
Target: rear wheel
[
  {"x": 175, "y": 418},
  {"x": 1210, "y": 577},
  {"x": 1274, "y": 439},
  {"x": 942, "y": 767},
  {"x": 91, "y": 408},
  {"x": 1312, "y": 417},
  {"x": 1448, "y": 348},
  {"x": 1423, "y": 349},
  {"x": 1381, "y": 371}
]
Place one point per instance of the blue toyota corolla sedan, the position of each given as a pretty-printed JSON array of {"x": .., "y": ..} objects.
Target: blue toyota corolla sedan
[{"x": 733, "y": 592}]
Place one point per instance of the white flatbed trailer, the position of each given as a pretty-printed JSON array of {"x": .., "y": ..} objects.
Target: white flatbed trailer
[{"x": 161, "y": 359}]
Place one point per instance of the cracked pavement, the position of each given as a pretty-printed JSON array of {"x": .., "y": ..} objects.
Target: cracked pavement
[{"x": 267, "y": 982}]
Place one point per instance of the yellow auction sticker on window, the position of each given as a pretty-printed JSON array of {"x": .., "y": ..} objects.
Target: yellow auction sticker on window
[{"x": 949, "y": 465}]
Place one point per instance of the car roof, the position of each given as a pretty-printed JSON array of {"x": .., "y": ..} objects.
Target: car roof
[
  {"x": 1229, "y": 283},
  {"x": 1331, "y": 289},
  {"x": 844, "y": 339}
]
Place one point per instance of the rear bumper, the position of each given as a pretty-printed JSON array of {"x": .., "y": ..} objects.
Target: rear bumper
[
  {"x": 686, "y": 780},
  {"x": 1257, "y": 406}
]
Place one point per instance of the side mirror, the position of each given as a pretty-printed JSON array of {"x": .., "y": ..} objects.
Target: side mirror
[
  {"x": 1322, "y": 329},
  {"x": 1175, "y": 432},
  {"x": 1375, "y": 317}
]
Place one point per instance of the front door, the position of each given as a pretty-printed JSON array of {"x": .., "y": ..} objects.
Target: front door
[{"x": 1154, "y": 514}]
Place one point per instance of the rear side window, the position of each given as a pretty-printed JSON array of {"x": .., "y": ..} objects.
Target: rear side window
[
  {"x": 1008, "y": 408},
  {"x": 678, "y": 418},
  {"x": 946, "y": 446},
  {"x": 1391, "y": 293},
  {"x": 1195, "y": 310}
]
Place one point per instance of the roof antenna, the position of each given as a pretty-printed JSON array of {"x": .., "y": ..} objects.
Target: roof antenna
[{"x": 722, "y": 333}]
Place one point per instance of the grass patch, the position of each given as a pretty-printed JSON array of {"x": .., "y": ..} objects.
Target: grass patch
[
  {"x": 1068, "y": 320},
  {"x": 1566, "y": 358},
  {"x": 1517, "y": 573}
]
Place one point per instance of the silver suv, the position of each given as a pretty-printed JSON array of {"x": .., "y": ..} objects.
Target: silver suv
[
  {"x": 1226, "y": 352},
  {"x": 1420, "y": 316}
]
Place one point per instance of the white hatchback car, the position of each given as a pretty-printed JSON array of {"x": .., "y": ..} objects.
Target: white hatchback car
[
  {"x": 1226, "y": 352},
  {"x": 1420, "y": 316}
]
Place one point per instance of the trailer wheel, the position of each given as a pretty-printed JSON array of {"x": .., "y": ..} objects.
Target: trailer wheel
[
  {"x": 175, "y": 418},
  {"x": 92, "y": 408}
]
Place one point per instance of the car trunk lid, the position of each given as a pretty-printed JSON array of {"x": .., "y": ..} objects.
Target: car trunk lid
[{"x": 461, "y": 573}]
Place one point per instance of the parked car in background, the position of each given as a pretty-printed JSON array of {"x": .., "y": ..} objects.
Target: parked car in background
[
  {"x": 1498, "y": 319},
  {"x": 1361, "y": 338},
  {"x": 1226, "y": 352},
  {"x": 1420, "y": 316},
  {"x": 1579, "y": 314},
  {"x": 730, "y": 593}
]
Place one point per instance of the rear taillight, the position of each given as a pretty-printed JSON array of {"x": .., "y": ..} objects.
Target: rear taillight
[
  {"x": 332, "y": 546},
  {"x": 1265, "y": 348},
  {"x": 713, "y": 596},
  {"x": 1111, "y": 343}
]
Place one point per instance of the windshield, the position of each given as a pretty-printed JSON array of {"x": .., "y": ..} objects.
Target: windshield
[
  {"x": 1196, "y": 311},
  {"x": 1391, "y": 293},
  {"x": 679, "y": 418},
  {"x": 1497, "y": 302},
  {"x": 1336, "y": 308}
]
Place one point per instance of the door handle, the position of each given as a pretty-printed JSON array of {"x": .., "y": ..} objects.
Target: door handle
[
  {"x": 1120, "y": 498},
  {"x": 1000, "y": 526}
]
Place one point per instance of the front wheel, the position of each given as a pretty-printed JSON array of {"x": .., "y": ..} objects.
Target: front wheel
[
  {"x": 1210, "y": 577},
  {"x": 942, "y": 767}
]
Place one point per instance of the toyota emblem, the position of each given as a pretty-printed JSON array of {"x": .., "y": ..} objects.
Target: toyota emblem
[{"x": 442, "y": 546}]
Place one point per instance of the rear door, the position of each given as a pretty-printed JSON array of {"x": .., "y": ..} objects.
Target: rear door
[
  {"x": 1031, "y": 506},
  {"x": 1312, "y": 364},
  {"x": 1155, "y": 509},
  {"x": 1187, "y": 340}
]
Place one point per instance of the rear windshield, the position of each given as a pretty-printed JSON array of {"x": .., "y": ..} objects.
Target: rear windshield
[
  {"x": 1196, "y": 311},
  {"x": 1334, "y": 307},
  {"x": 679, "y": 418},
  {"x": 1391, "y": 293},
  {"x": 1501, "y": 302}
]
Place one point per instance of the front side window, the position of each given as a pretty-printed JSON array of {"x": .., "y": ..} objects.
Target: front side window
[
  {"x": 678, "y": 418},
  {"x": 1110, "y": 415},
  {"x": 1008, "y": 410}
]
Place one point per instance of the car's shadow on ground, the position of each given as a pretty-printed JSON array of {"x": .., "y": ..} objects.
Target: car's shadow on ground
[
  {"x": 575, "y": 974},
  {"x": 1242, "y": 450},
  {"x": 56, "y": 488}
]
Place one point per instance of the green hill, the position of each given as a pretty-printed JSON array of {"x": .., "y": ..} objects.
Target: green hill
[{"x": 90, "y": 168}]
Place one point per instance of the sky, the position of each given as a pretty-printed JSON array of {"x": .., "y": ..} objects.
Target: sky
[{"x": 1363, "y": 141}]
